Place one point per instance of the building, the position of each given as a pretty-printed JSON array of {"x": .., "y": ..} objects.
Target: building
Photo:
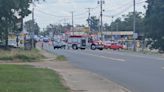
[{"x": 118, "y": 35}]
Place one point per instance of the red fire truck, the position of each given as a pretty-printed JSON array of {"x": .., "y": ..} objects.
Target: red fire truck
[{"x": 84, "y": 41}]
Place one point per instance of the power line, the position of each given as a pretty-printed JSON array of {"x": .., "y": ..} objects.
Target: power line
[
  {"x": 45, "y": 13},
  {"x": 80, "y": 14},
  {"x": 123, "y": 11},
  {"x": 120, "y": 7},
  {"x": 50, "y": 14},
  {"x": 127, "y": 9}
]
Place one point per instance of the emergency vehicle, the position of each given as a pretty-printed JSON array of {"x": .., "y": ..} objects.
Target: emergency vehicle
[{"x": 83, "y": 42}]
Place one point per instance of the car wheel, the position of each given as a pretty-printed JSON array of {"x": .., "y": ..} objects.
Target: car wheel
[
  {"x": 93, "y": 47},
  {"x": 100, "y": 48},
  {"x": 64, "y": 47},
  {"x": 74, "y": 47}
]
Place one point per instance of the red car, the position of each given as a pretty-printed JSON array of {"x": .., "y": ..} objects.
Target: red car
[
  {"x": 107, "y": 44},
  {"x": 116, "y": 46}
]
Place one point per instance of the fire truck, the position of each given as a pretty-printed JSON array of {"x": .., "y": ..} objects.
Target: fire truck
[{"x": 83, "y": 42}]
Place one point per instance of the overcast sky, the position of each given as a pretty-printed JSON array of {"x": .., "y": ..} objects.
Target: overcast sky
[{"x": 59, "y": 11}]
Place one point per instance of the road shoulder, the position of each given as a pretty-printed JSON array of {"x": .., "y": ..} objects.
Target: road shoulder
[
  {"x": 79, "y": 80},
  {"x": 76, "y": 79}
]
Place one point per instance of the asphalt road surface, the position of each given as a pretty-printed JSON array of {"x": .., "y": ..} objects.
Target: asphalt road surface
[{"x": 137, "y": 72}]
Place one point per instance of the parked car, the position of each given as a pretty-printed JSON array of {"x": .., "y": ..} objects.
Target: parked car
[
  {"x": 45, "y": 39},
  {"x": 107, "y": 44},
  {"x": 57, "y": 45},
  {"x": 116, "y": 46}
]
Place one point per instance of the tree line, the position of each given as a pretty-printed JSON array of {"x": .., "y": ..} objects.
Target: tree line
[{"x": 149, "y": 25}]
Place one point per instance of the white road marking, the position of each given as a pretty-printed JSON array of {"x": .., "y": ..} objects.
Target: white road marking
[
  {"x": 126, "y": 54},
  {"x": 135, "y": 55},
  {"x": 162, "y": 59},
  {"x": 100, "y": 56},
  {"x": 115, "y": 59}
]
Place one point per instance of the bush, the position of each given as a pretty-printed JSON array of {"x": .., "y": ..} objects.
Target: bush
[
  {"x": 20, "y": 55},
  {"x": 61, "y": 58}
]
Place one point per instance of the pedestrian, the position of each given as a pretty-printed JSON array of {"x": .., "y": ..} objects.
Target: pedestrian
[
  {"x": 42, "y": 45},
  {"x": 49, "y": 43}
]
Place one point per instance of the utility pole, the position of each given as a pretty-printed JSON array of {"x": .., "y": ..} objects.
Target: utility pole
[
  {"x": 111, "y": 24},
  {"x": 112, "y": 28},
  {"x": 33, "y": 23},
  {"x": 72, "y": 22},
  {"x": 117, "y": 29},
  {"x": 101, "y": 2},
  {"x": 134, "y": 24},
  {"x": 89, "y": 17}
]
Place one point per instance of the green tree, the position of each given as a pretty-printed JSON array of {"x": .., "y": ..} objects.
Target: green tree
[
  {"x": 94, "y": 23},
  {"x": 107, "y": 27},
  {"x": 117, "y": 25},
  {"x": 126, "y": 23},
  {"x": 56, "y": 29},
  {"x": 31, "y": 26},
  {"x": 154, "y": 22},
  {"x": 10, "y": 12},
  {"x": 53, "y": 28}
]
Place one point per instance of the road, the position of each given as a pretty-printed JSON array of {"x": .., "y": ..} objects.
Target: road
[{"x": 137, "y": 72}]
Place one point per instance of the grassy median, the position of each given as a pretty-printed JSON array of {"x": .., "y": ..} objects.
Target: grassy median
[
  {"x": 18, "y": 78},
  {"x": 20, "y": 55}
]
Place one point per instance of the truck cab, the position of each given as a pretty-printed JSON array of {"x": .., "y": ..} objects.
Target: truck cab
[{"x": 95, "y": 43}]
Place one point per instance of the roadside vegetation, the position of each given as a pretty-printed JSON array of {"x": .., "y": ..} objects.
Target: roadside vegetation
[
  {"x": 23, "y": 78},
  {"x": 61, "y": 58},
  {"x": 20, "y": 55}
]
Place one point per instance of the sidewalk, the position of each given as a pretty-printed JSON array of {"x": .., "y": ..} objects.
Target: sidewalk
[{"x": 76, "y": 79}]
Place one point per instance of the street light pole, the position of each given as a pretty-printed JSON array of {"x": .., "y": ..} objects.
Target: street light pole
[
  {"x": 111, "y": 24},
  {"x": 101, "y": 2},
  {"x": 72, "y": 22},
  {"x": 134, "y": 24},
  {"x": 112, "y": 28},
  {"x": 33, "y": 23}
]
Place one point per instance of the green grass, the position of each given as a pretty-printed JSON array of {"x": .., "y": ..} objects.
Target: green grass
[
  {"x": 20, "y": 55},
  {"x": 18, "y": 78},
  {"x": 61, "y": 58}
]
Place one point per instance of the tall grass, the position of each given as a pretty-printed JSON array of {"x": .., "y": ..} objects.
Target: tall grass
[
  {"x": 20, "y": 55},
  {"x": 61, "y": 58}
]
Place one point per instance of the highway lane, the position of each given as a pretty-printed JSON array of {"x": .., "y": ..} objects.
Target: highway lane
[{"x": 137, "y": 72}]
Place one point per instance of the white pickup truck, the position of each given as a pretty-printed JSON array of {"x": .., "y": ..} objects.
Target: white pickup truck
[{"x": 59, "y": 44}]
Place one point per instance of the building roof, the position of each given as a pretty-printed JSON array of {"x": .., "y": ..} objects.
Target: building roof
[{"x": 119, "y": 33}]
